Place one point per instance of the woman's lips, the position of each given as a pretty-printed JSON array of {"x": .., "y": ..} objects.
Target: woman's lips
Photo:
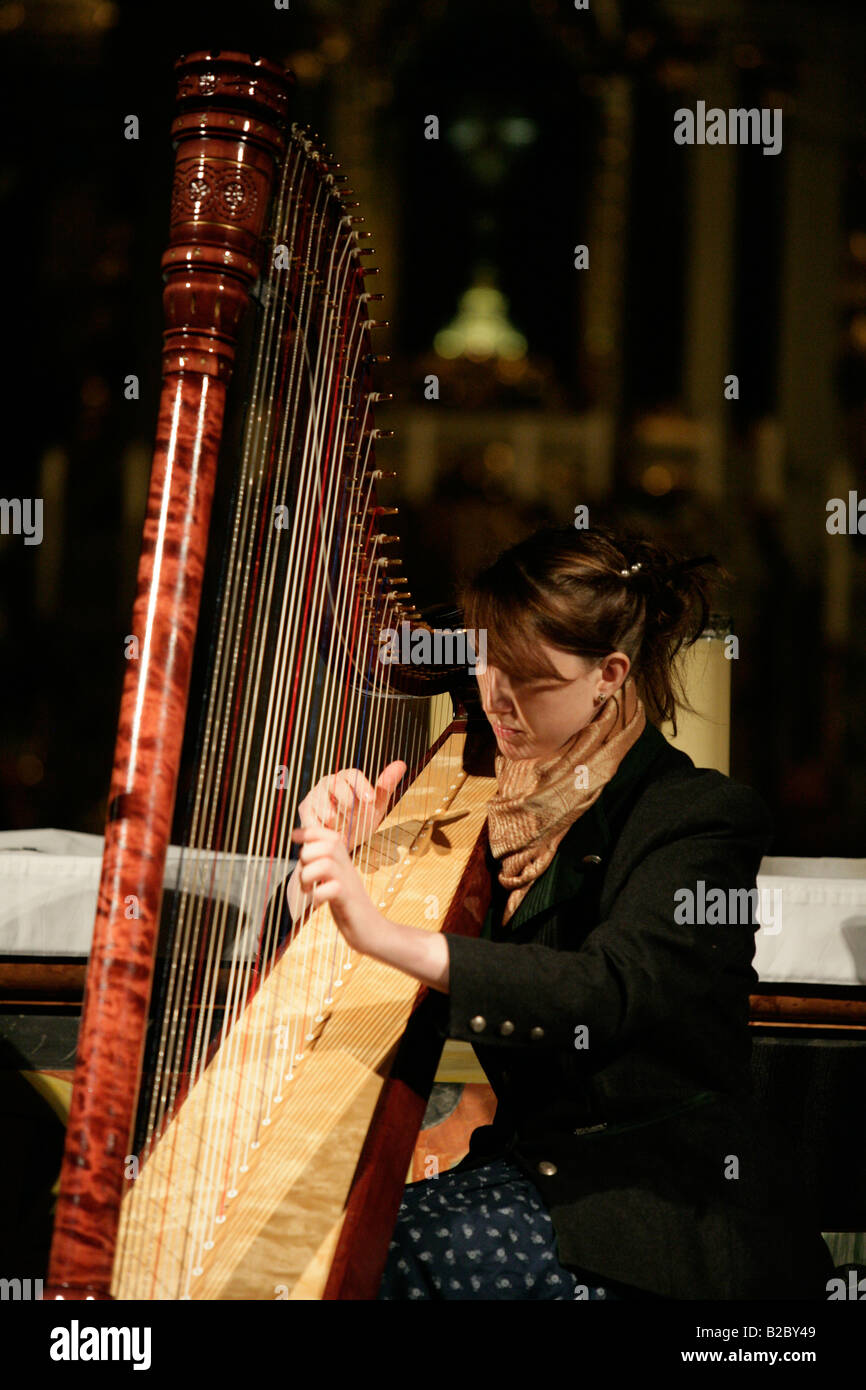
[{"x": 504, "y": 731}]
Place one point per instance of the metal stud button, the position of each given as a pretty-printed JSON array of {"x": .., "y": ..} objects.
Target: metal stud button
[
  {"x": 506, "y": 1028},
  {"x": 592, "y": 859},
  {"x": 478, "y": 1024},
  {"x": 536, "y": 1034},
  {"x": 547, "y": 1169}
]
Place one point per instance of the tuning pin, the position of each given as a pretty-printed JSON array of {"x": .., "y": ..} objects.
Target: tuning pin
[
  {"x": 385, "y": 511},
  {"x": 378, "y": 397},
  {"x": 382, "y": 539},
  {"x": 382, "y": 434}
]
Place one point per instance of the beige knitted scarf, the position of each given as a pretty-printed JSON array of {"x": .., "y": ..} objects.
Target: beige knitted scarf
[{"x": 536, "y": 803}]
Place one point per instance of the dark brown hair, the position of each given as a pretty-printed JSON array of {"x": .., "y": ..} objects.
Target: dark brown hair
[{"x": 565, "y": 587}]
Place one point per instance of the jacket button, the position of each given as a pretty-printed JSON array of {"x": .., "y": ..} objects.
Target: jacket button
[
  {"x": 592, "y": 859},
  {"x": 547, "y": 1170},
  {"x": 536, "y": 1034},
  {"x": 506, "y": 1028},
  {"x": 478, "y": 1024}
]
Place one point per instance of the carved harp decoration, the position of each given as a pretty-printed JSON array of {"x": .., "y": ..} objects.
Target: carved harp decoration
[{"x": 220, "y": 1142}]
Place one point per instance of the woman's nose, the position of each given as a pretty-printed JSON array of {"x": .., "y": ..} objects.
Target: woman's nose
[{"x": 495, "y": 693}]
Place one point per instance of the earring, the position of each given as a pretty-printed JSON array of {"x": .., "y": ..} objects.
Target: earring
[{"x": 599, "y": 699}]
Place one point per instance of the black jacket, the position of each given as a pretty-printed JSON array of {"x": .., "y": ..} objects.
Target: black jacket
[{"x": 616, "y": 1039}]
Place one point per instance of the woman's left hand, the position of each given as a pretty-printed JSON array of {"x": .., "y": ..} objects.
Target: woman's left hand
[{"x": 327, "y": 873}]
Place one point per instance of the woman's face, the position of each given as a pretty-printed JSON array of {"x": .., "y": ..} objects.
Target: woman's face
[{"x": 534, "y": 718}]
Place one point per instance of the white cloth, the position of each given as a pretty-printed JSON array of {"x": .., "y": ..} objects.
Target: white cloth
[
  {"x": 49, "y": 881},
  {"x": 819, "y": 936},
  {"x": 813, "y": 932}
]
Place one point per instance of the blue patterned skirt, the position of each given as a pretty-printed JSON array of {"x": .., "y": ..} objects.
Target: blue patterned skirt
[{"x": 479, "y": 1233}]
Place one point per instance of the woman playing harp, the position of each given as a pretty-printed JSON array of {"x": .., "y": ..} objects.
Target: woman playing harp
[{"x": 624, "y": 1159}]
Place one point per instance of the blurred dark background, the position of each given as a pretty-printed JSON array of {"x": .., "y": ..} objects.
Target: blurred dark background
[{"x": 557, "y": 386}]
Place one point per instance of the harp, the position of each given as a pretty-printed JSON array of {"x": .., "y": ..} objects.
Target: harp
[{"x": 238, "y": 1128}]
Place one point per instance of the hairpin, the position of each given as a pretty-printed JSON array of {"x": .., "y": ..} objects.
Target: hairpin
[{"x": 633, "y": 570}]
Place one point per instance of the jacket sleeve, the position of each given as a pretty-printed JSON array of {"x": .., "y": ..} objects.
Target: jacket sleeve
[{"x": 634, "y": 970}]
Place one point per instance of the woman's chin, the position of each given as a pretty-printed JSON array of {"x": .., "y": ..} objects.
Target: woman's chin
[{"x": 516, "y": 748}]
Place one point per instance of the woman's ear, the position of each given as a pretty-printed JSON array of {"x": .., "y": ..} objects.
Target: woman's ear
[{"x": 615, "y": 671}]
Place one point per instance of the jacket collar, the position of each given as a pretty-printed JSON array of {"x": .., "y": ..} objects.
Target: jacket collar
[{"x": 583, "y": 851}]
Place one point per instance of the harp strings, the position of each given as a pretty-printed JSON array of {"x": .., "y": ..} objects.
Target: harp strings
[{"x": 313, "y": 353}]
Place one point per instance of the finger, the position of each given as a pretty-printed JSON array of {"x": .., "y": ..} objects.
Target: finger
[
  {"x": 341, "y": 792},
  {"x": 319, "y": 861},
  {"x": 350, "y": 806},
  {"x": 319, "y": 870},
  {"x": 319, "y": 809},
  {"x": 358, "y": 782},
  {"x": 316, "y": 835},
  {"x": 389, "y": 778},
  {"x": 312, "y": 812},
  {"x": 325, "y": 892}
]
